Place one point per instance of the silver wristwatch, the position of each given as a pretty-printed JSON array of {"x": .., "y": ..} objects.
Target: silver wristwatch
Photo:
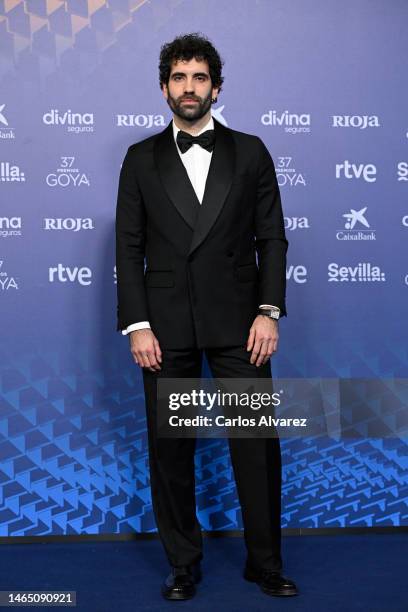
[{"x": 273, "y": 312}]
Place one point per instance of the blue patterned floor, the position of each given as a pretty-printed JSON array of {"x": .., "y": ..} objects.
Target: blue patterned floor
[{"x": 333, "y": 573}]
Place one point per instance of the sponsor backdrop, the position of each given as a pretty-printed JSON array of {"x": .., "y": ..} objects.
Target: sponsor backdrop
[{"x": 323, "y": 85}]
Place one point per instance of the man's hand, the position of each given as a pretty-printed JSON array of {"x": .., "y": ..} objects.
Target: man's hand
[
  {"x": 145, "y": 349},
  {"x": 263, "y": 339}
]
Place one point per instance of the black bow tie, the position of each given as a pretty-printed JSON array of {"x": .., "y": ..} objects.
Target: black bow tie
[{"x": 186, "y": 140}]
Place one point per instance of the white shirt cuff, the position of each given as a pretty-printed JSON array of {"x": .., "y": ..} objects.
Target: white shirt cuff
[{"x": 135, "y": 326}]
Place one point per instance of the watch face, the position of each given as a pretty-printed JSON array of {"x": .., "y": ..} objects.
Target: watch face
[{"x": 272, "y": 314}]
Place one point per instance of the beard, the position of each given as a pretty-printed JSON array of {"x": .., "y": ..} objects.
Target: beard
[{"x": 190, "y": 112}]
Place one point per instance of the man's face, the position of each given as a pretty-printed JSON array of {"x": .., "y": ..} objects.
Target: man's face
[{"x": 189, "y": 90}]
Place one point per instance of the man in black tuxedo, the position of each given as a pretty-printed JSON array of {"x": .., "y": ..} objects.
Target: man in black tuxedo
[{"x": 198, "y": 202}]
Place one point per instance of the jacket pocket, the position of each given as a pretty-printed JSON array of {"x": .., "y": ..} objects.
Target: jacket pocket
[
  {"x": 247, "y": 273},
  {"x": 159, "y": 278}
]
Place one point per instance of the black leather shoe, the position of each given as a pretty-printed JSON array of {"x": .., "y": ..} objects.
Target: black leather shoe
[
  {"x": 180, "y": 583},
  {"x": 271, "y": 582}
]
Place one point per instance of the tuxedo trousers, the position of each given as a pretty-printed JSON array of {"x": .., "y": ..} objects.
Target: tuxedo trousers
[{"x": 256, "y": 465}]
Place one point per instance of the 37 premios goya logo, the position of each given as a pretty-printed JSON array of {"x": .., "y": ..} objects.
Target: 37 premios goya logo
[
  {"x": 7, "y": 281},
  {"x": 67, "y": 174},
  {"x": 287, "y": 174}
]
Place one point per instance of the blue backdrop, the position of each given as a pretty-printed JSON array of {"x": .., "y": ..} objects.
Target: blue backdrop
[{"x": 324, "y": 85}]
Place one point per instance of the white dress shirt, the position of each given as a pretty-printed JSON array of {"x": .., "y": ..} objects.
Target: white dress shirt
[{"x": 197, "y": 163}]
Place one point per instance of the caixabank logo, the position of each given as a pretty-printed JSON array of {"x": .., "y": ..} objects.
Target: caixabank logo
[
  {"x": 7, "y": 132},
  {"x": 362, "y": 272},
  {"x": 217, "y": 113},
  {"x": 70, "y": 121},
  {"x": 356, "y": 226}
]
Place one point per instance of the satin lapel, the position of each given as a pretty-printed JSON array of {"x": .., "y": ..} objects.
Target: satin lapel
[
  {"x": 174, "y": 177},
  {"x": 218, "y": 183}
]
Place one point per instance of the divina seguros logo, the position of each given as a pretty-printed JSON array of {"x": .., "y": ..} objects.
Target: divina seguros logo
[
  {"x": 73, "y": 122},
  {"x": 10, "y": 226},
  {"x": 292, "y": 123}
]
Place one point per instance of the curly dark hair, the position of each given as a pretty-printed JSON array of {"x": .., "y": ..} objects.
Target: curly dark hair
[{"x": 185, "y": 47}]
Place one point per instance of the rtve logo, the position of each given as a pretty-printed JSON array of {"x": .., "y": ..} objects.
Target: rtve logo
[
  {"x": 63, "y": 274},
  {"x": 349, "y": 170},
  {"x": 297, "y": 273}
]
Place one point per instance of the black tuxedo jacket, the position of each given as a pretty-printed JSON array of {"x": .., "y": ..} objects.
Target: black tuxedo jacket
[{"x": 209, "y": 265}]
